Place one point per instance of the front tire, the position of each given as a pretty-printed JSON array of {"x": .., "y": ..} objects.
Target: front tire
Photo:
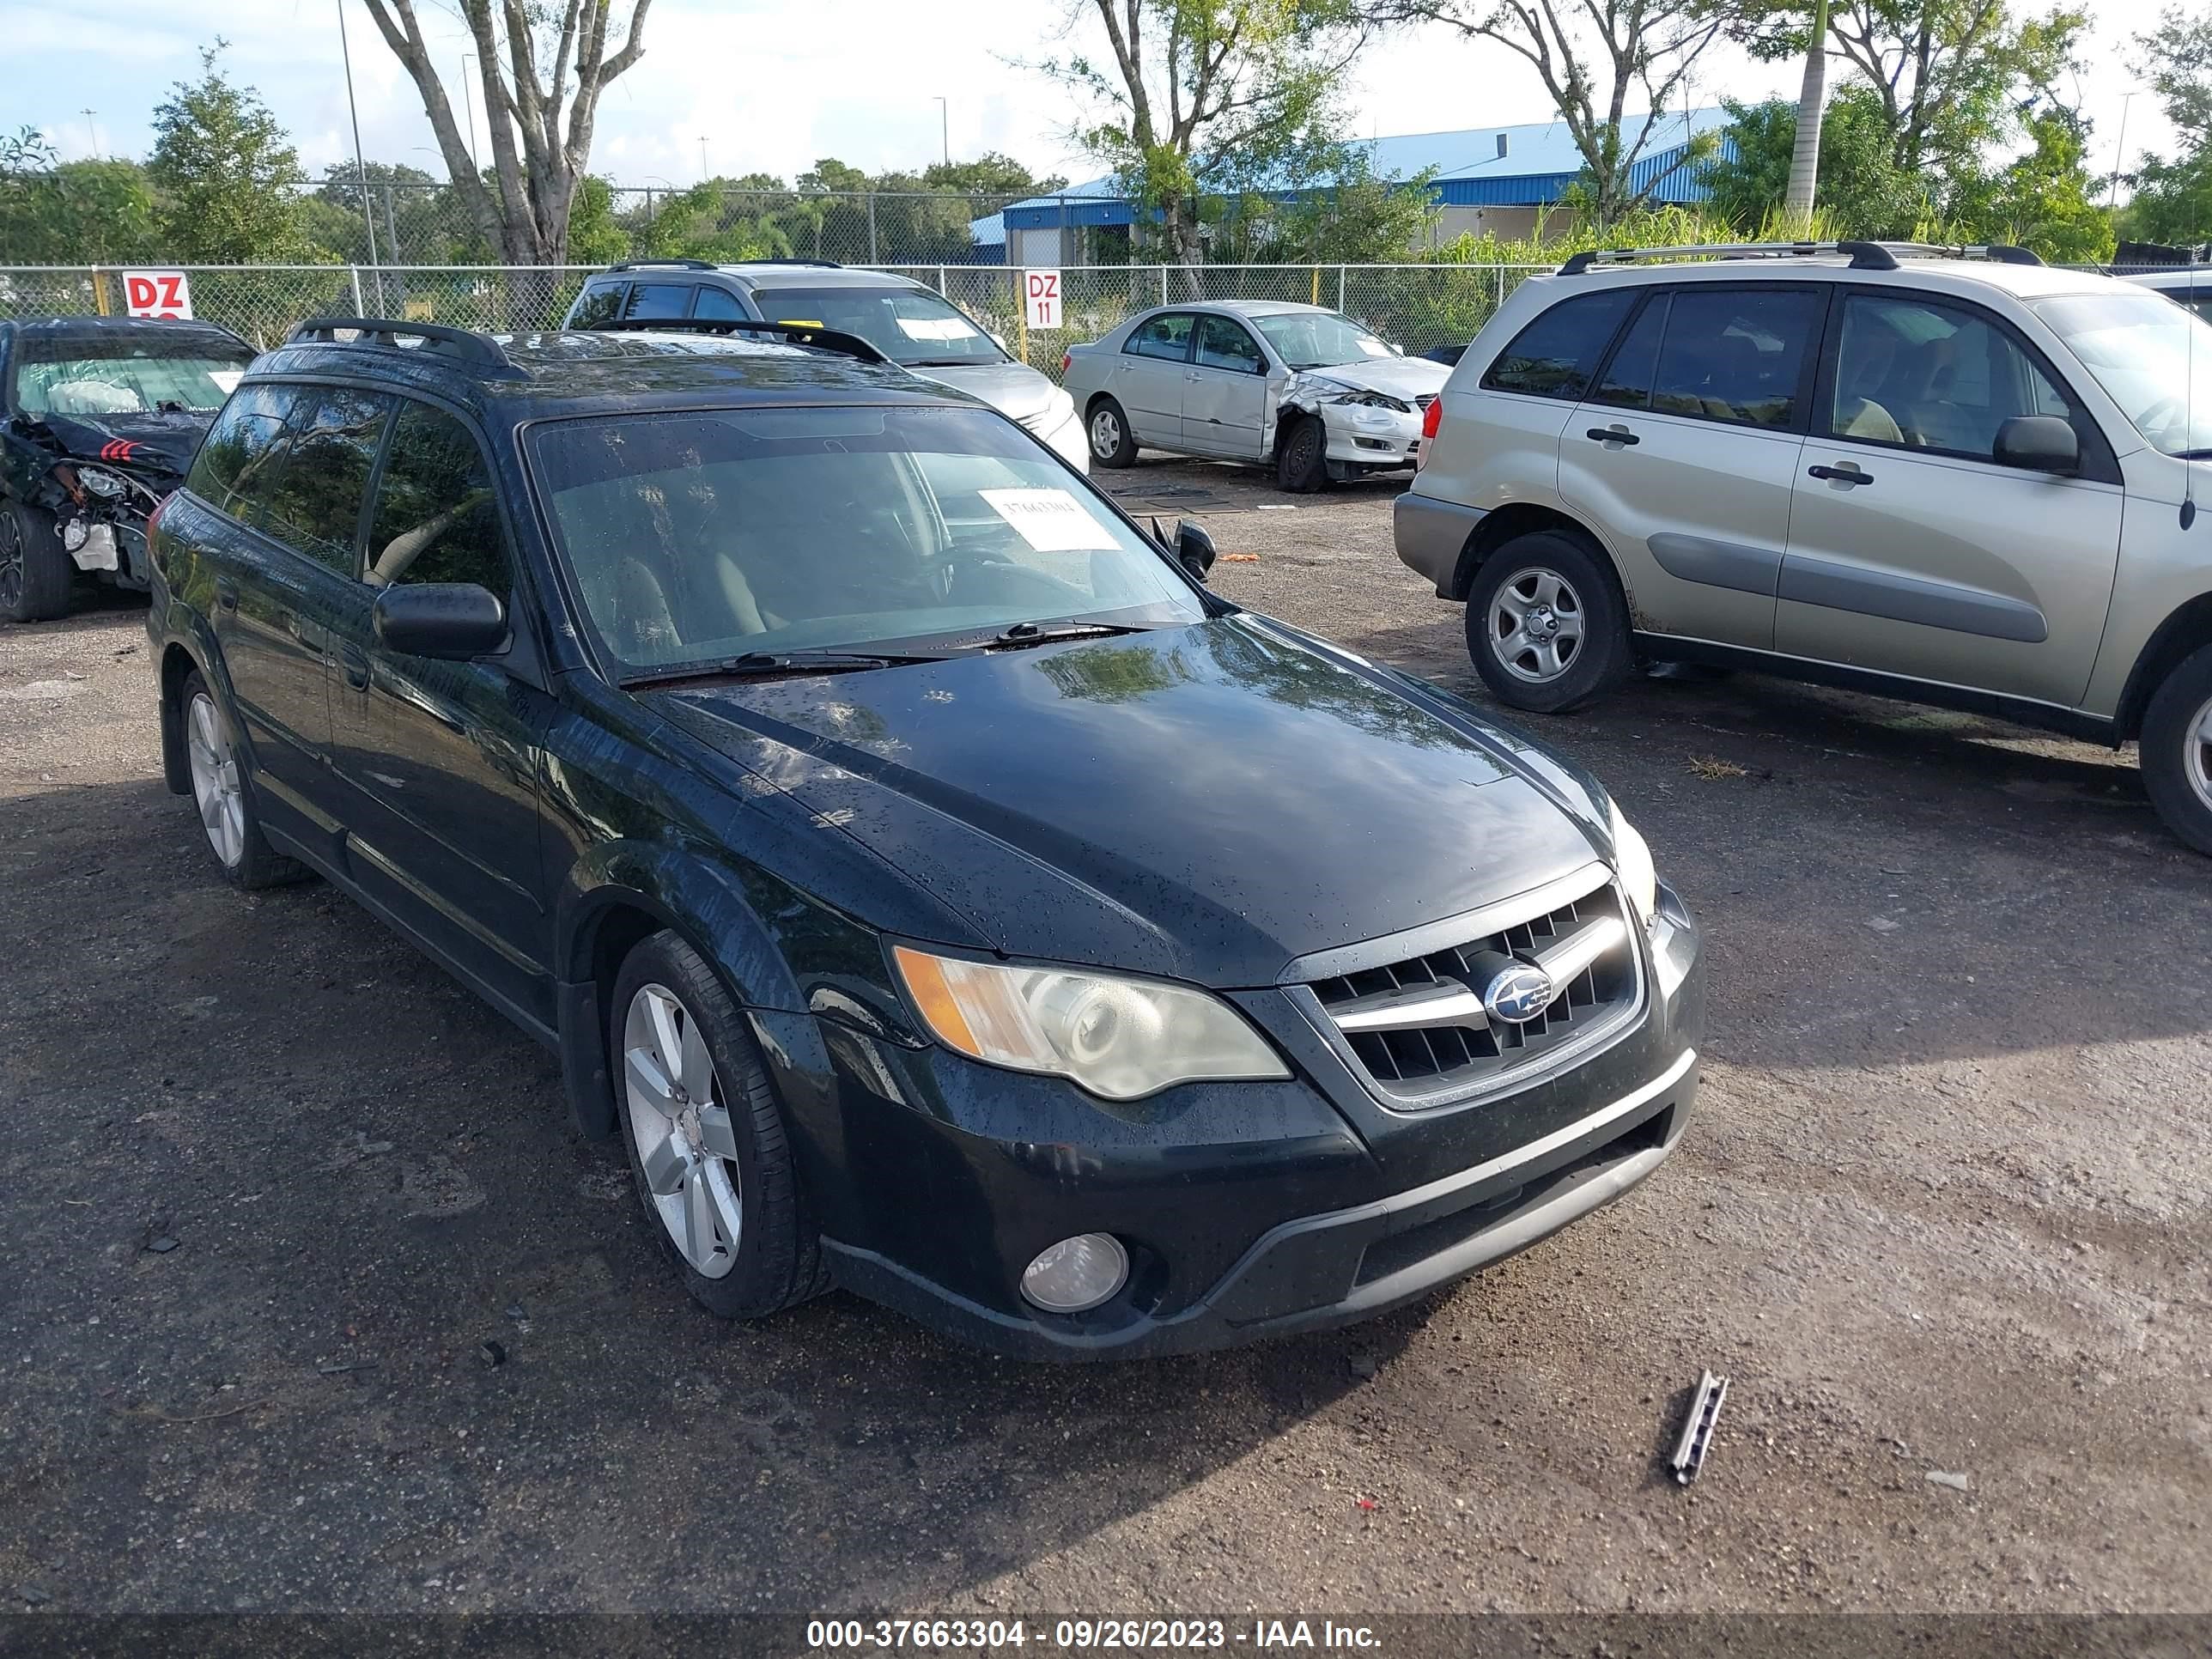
[
  {"x": 223, "y": 793},
  {"x": 35, "y": 572},
  {"x": 1547, "y": 623},
  {"x": 2177, "y": 749},
  {"x": 1302, "y": 456},
  {"x": 706, "y": 1139},
  {"x": 1111, "y": 441}
]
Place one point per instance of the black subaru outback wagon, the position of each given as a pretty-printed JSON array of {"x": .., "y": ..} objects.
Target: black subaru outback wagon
[{"x": 938, "y": 889}]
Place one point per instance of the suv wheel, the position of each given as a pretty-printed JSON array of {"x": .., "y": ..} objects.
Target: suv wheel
[
  {"x": 223, "y": 793},
  {"x": 706, "y": 1141},
  {"x": 1302, "y": 456},
  {"x": 35, "y": 572},
  {"x": 1110, "y": 442},
  {"x": 2176, "y": 750},
  {"x": 1546, "y": 624}
]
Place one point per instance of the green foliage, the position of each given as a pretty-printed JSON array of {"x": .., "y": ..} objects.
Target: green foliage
[
  {"x": 417, "y": 220},
  {"x": 1863, "y": 191},
  {"x": 54, "y": 213},
  {"x": 226, "y": 174},
  {"x": 2039, "y": 201},
  {"x": 1344, "y": 213},
  {"x": 2172, "y": 201}
]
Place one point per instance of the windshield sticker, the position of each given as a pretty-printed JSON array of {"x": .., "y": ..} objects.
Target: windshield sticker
[
  {"x": 1049, "y": 520},
  {"x": 1373, "y": 347},
  {"x": 936, "y": 328},
  {"x": 799, "y": 322},
  {"x": 226, "y": 379}
]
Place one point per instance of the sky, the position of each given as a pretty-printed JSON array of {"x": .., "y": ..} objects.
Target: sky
[{"x": 729, "y": 87}]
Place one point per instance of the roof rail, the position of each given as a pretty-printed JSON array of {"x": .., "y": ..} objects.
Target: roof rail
[
  {"x": 383, "y": 331},
  {"x": 663, "y": 265},
  {"x": 818, "y": 265},
  {"x": 805, "y": 334},
  {"x": 1864, "y": 256}
]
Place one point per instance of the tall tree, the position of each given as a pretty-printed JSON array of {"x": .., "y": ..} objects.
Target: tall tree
[
  {"x": 540, "y": 122},
  {"x": 1200, "y": 95},
  {"x": 1812, "y": 105},
  {"x": 1864, "y": 192},
  {"x": 225, "y": 172},
  {"x": 2173, "y": 193},
  {"x": 1594, "y": 60}
]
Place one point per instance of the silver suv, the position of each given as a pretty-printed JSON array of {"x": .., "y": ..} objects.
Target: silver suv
[{"x": 1954, "y": 476}]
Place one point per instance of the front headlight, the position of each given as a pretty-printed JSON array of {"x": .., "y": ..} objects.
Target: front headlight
[
  {"x": 1119, "y": 1038},
  {"x": 101, "y": 483},
  {"x": 1374, "y": 400},
  {"x": 1639, "y": 877}
]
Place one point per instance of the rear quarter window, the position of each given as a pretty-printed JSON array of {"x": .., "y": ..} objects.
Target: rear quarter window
[
  {"x": 1556, "y": 355},
  {"x": 599, "y": 304}
]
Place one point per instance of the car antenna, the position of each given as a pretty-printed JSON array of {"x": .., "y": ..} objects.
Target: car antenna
[{"x": 2188, "y": 405}]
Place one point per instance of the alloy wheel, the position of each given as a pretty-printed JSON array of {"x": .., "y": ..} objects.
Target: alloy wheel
[
  {"x": 1105, "y": 433},
  {"x": 1537, "y": 623},
  {"x": 680, "y": 1125},
  {"x": 2197, "y": 754},
  {"x": 216, "y": 787},
  {"x": 11, "y": 561}
]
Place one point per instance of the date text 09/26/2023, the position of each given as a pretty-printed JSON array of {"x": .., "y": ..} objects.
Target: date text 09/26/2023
[{"x": 988, "y": 1634}]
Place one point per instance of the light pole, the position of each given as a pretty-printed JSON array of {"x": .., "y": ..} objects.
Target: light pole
[
  {"x": 359, "y": 167},
  {"x": 91, "y": 131},
  {"x": 703, "y": 174},
  {"x": 2119, "y": 153},
  {"x": 945, "y": 128},
  {"x": 469, "y": 103}
]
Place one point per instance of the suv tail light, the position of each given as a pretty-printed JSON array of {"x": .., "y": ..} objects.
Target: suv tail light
[{"x": 1429, "y": 423}]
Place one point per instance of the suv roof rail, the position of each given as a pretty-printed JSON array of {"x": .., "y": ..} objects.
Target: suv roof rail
[
  {"x": 1864, "y": 256},
  {"x": 663, "y": 265},
  {"x": 459, "y": 343},
  {"x": 818, "y": 265},
  {"x": 805, "y": 334}
]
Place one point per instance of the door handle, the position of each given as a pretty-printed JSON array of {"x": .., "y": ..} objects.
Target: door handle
[
  {"x": 1848, "y": 475},
  {"x": 226, "y": 593},
  {"x": 1192, "y": 374},
  {"x": 357, "y": 668},
  {"x": 1612, "y": 434}
]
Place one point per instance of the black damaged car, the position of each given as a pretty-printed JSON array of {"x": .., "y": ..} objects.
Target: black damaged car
[
  {"x": 101, "y": 415},
  {"x": 938, "y": 891}
]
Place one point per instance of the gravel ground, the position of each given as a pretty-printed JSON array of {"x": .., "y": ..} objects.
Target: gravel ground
[{"x": 271, "y": 1182}]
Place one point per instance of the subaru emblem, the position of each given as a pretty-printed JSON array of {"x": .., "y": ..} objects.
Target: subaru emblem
[{"x": 1518, "y": 994}]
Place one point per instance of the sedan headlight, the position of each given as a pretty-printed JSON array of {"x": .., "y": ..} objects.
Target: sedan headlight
[
  {"x": 1119, "y": 1038},
  {"x": 100, "y": 481},
  {"x": 1374, "y": 400},
  {"x": 1639, "y": 877}
]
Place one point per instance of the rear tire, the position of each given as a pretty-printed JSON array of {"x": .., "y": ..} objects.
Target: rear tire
[
  {"x": 36, "y": 574},
  {"x": 1302, "y": 456},
  {"x": 705, "y": 1138},
  {"x": 222, "y": 791},
  {"x": 2177, "y": 749},
  {"x": 1548, "y": 624},
  {"x": 1108, "y": 431}
]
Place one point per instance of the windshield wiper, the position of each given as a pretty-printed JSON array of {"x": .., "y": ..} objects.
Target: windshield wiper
[
  {"x": 2191, "y": 454},
  {"x": 951, "y": 362},
  {"x": 1044, "y": 633},
  {"x": 757, "y": 664}
]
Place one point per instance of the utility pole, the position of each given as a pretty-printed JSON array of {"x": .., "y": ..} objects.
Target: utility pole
[
  {"x": 702, "y": 158},
  {"x": 359, "y": 167},
  {"x": 2119, "y": 154},
  {"x": 469, "y": 103},
  {"x": 945, "y": 128},
  {"x": 91, "y": 131}
]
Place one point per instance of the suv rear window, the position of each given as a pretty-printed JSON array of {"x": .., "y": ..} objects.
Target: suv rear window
[{"x": 1555, "y": 355}]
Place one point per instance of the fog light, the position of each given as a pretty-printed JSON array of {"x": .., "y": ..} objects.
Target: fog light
[{"x": 1077, "y": 1274}]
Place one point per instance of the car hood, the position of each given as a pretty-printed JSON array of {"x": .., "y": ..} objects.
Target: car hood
[
  {"x": 1014, "y": 390},
  {"x": 152, "y": 445},
  {"x": 1403, "y": 378},
  {"x": 1204, "y": 803}
]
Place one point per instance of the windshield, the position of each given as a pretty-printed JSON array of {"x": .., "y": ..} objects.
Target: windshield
[
  {"x": 2153, "y": 358},
  {"x": 910, "y": 325},
  {"x": 130, "y": 376},
  {"x": 700, "y": 536},
  {"x": 1320, "y": 339}
]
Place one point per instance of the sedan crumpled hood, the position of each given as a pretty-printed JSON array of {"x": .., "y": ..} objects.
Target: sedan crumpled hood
[
  {"x": 1403, "y": 378},
  {"x": 1014, "y": 390},
  {"x": 157, "y": 445},
  {"x": 1205, "y": 803}
]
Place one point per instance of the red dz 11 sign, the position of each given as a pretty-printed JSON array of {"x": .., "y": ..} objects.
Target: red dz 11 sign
[
  {"x": 167, "y": 293},
  {"x": 1040, "y": 294}
]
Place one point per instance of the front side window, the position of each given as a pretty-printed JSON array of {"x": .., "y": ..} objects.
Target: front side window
[
  {"x": 436, "y": 518},
  {"x": 129, "y": 372},
  {"x": 648, "y": 300},
  {"x": 602, "y": 302},
  {"x": 1932, "y": 376},
  {"x": 911, "y": 326},
  {"x": 718, "y": 303},
  {"x": 1736, "y": 354},
  {"x": 697, "y": 537},
  {"x": 1223, "y": 344},
  {"x": 1167, "y": 336},
  {"x": 238, "y": 460},
  {"x": 1320, "y": 339},
  {"x": 2153, "y": 358},
  {"x": 1556, "y": 355},
  {"x": 315, "y": 504}
]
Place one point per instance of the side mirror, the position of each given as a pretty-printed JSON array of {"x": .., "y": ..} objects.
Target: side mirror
[
  {"x": 1194, "y": 548},
  {"x": 450, "y": 621},
  {"x": 2037, "y": 443}
]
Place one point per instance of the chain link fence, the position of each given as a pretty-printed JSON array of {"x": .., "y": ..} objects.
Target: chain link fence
[{"x": 1418, "y": 307}]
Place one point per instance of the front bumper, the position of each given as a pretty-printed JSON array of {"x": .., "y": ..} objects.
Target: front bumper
[
  {"x": 1250, "y": 1210},
  {"x": 1360, "y": 436},
  {"x": 1066, "y": 440}
]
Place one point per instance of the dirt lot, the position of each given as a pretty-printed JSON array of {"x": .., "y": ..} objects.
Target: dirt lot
[{"x": 1944, "y": 1210}]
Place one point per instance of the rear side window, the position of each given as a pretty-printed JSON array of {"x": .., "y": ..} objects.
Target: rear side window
[
  {"x": 1626, "y": 383},
  {"x": 436, "y": 519},
  {"x": 719, "y": 303},
  {"x": 1556, "y": 355},
  {"x": 651, "y": 299},
  {"x": 1163, "y": 337},
  {"x": 601, "y": 304},
  {"x": 239, "y": 458},
  {"x": 1737, "y": 355},
  {"x": 315, "y": 504}
]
